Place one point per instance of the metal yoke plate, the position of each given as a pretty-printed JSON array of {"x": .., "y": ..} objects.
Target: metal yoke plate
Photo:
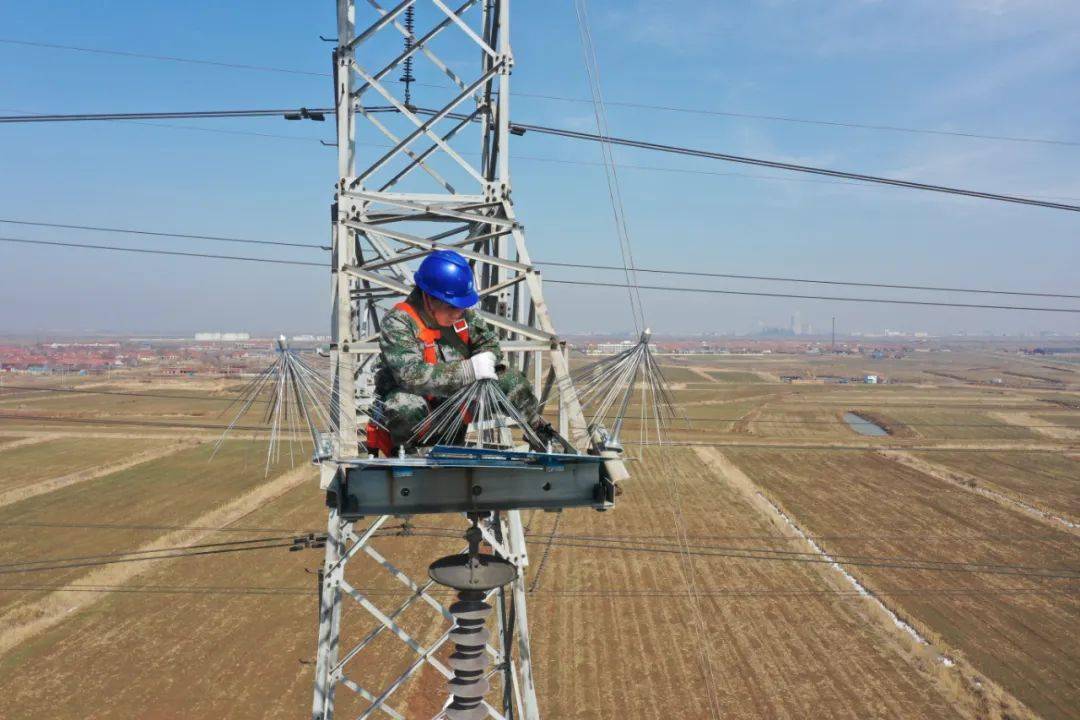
[{"x": 456, "y": 480}]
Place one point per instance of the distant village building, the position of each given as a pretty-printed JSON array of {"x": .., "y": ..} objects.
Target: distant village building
[
  {"x": 608, "y": 348},
  {"x": 222, "y": 336}
]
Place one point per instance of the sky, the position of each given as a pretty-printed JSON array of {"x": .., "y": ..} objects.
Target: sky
[{"x": 991, "y": 67}]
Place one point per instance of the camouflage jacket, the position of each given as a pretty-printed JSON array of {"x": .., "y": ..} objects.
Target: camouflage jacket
[{"x": 401, "y": 363}]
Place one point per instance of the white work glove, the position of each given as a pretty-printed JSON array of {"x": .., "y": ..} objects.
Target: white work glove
[{"x": 483, "y": 366}]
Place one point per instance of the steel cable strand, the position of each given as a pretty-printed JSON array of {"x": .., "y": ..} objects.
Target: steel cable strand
[{"x": 253, "y": 394}]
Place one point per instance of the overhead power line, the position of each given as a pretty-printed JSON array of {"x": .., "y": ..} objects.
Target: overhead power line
[
  {"x": 794, "y": 167},
  {"x": 720, "y": 443},
  {"x": 578, "y": 135},
  {"x": 809, "y": 121},
  {"x": 593, "y": 283},
  {"x": 168, "y": 58},
  {"x": 155, "y": 233},
  {"x": 562, "y": 98},
  {"x": 673, "y": 288},
  {"x": 167, "y": 115},
  {"x": 641, "y": 546},
  {"x": 771, "y": 555},
  {"x": 574, "y": 593},
  {"x": 81, "y": 391},
  {"x": 770, "y": 278},
  {"x": 398, "y": 530},
  {"x": 535, "y": 158},
  {"x": 149, "y": 554},
  {"x": 691, "y": 418},
  {"x": 582, "y": 266},
  {"x": 143, "y": 422},
  {"x": 147, "y": 251},
  {"x": 845, "y": 448},
  {"x": 171, "y": 555}
]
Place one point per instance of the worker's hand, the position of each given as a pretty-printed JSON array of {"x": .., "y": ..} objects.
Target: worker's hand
[{"x": 483, "y": 366}]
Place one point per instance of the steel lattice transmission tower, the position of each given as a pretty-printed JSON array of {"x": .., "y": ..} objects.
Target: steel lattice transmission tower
[{"x": 434, "y": 177}]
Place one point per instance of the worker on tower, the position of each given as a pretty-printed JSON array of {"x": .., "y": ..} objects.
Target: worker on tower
[{"x": 432, "y": 345}]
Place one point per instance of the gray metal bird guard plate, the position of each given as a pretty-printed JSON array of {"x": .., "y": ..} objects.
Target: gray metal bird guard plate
[{"x": 472, "y": 572}]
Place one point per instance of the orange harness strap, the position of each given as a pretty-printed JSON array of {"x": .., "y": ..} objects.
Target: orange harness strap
[
  {"x": 378, "y": 438},
  {"x": 428, "y": 336}
]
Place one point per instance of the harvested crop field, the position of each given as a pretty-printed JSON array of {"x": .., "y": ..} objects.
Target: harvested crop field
[
  {"x": 781, "y": 639},
  {"x": 28, "y": 464},
  {"x": 1011, "y": 608},
  {"x": 766, "y": 629},
  {"x": 160, "y": 494},
  {"x": 1045, "y": 480},
  {"x": 735, "y": 376},
  {"x": 961, "y": 424}
]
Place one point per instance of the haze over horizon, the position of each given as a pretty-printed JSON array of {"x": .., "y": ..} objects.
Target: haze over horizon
[{"x": 992, "y": 67}]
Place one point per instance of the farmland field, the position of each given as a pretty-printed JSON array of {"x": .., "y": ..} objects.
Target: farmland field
[
  {"x": 1070, "y": 420},
  {"x": 584, "y": 600},
  {"x": 1047, "y": 481},
  {"x": 735, "y": 376},
  {"x": 1011, "y": 623},
  {"x": 688, "y": 600},
  {"x": 161, "y": 493},
  {"x": 27, "y": 464}
]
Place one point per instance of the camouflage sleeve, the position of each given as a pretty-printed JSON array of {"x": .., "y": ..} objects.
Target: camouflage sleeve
[
  {"x": 403, "y": 355},
  {"x": 483, "y": 337}
]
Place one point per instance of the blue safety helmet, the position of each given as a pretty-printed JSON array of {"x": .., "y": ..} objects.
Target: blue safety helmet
[{"x": 447, "y": 276}]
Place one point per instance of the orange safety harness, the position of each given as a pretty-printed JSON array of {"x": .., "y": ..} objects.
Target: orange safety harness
[
  {"x": 378, "y": 437},
  {"x": 428, "y": 336}
]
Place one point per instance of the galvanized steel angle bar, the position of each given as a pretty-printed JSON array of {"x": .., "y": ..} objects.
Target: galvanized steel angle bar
[
  {"x": 423, "y": 655},
  {"x": 417, "y": 159},
  {"x": 418, "y": 44},
  {"x": 432, "y": 245},
  {"x": 399, "y": 631},
  {"x": 423, "y": 127},
  {"x": 387, "y": 18},
  {"x": 409, "y": 582},
  {"x": 415, "y": 665},
  {"x": 447, "y": 137},
  {"x": 392, "y": 260},
  {"x": 497, "y": 545},
  {"x": 502, "y": 286},
  {"x": 450, "y": 207},
  {"x": 358, "y": 542},
  {"x": 370, "y": 637},
  {"x": 419, "y": 591},
  {"x": 516, "y": 545},
  {"x": 427, "y": 51},
  {"x": 370, "y": 697},
  {"x": 329, "y": 623},
  {"x": 466, "y": 29},
  {"x": 360, "y": 206}
]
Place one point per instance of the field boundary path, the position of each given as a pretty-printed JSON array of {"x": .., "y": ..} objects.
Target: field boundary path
[
  {"x": 974, "y": 484},
  {"x": 24, "y": 622},
  {"x": 52, "y": 484},
  {"x": 35, "y": 440},
  {"x": 1022, "y": 419},
  {"x": 953, "y": 674}
]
